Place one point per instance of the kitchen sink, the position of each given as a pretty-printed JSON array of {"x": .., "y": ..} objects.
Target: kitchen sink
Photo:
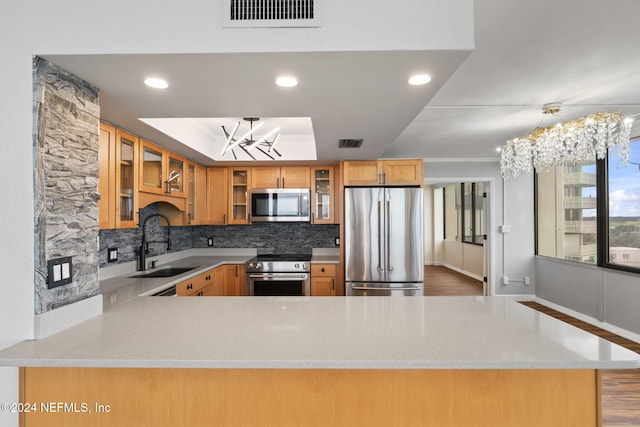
[{"x": 164, "y": 272}]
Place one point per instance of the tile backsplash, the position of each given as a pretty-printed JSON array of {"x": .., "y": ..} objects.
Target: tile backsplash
[{"x": 265, "y": 237}]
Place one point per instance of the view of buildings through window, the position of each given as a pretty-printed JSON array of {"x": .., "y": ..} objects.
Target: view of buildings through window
[
  {"x": 566, "y": 206},
  {"x": 566, "y": 210},
  {"x": 624, "y": 210}
]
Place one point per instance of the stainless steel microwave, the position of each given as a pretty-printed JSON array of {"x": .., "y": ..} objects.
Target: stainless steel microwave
[{"x": 280, "y": 205}]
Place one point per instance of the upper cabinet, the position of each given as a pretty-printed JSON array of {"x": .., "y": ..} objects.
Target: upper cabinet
[
  {"x": 117, "y": 183},
  {"x": 239, "y": 181},
  {"x": 161, "y": 172},
  {"x": 383, "y": 172},
  {"x": 197, "y": 213},
  {"x": 217, "y": 195},
  {"x": 135, "y": 173},
  {"x": 323, "y": 194},
  {"x": 107, "y": 177},
  {"x": 280, "y": 177}
]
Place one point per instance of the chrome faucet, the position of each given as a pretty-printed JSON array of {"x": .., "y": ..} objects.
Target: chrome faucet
[{"x": 144, "y": 248}]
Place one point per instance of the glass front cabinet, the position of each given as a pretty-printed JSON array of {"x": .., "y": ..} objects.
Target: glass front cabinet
[
  {"x": 161, "y": 172},
  {"x": 239, "y": 179},
  {"x": 117, "y": 183},
  {"x": 323, "y": 194}
]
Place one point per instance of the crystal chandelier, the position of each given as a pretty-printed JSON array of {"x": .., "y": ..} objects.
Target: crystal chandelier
[
  {"x": 567, "y": 143},
  {"x": 246, "y": 142}
]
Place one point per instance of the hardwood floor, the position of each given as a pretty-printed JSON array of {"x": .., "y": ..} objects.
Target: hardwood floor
[
  {"x": 620, "y": 388},
  {"x": 442, "y": 281}
]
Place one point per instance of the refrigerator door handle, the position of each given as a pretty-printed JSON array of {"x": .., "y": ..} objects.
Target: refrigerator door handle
[
  {"x": 379, "y": 236},
  {"x": 388, "y": 231}
]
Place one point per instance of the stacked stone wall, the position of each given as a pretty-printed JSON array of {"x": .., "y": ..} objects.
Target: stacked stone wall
[{"x": 66, "y": 142}]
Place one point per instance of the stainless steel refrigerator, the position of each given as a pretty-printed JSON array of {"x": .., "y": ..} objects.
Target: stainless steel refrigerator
[{"x": 383, "y": 241}]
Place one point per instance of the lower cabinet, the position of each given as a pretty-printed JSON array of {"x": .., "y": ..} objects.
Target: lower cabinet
[
  {"x": 229, "y": 280},
  {"x": 323, "y": 279},
  {"x": 234, "y": 277},
  {"x": 201, "y": 285}
]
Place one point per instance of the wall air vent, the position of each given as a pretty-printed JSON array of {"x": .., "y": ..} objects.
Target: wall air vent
[
  {"x": 350, "y": 143},
  {"x": 271, "y": 13}
]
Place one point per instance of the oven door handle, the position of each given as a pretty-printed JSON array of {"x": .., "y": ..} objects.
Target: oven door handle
[
  {"x": 370, "y": 288},
  {"x": 278, "y": 276}
]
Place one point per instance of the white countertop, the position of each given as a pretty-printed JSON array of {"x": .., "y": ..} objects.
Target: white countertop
[
  {"x": 126, "y": 287},
  {"x": 323, "y": 332}
]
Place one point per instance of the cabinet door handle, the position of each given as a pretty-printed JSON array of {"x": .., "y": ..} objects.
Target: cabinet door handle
[
  {"x": 190, "y": 286},
  {"x": 322, "y": 269},
  {"x": 333, "y": 284}
]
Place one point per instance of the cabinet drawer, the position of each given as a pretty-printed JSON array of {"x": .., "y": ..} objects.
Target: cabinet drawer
[
  {"x": 194, "y": 284},
  {"x": 323, "y": 270}
]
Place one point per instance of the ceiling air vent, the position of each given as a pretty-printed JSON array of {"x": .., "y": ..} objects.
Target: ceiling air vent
[
  {"x": 271, "y": 13},
  {"x": 350, "y": 143}
]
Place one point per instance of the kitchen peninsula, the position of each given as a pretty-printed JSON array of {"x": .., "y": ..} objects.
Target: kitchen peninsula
[{"x": 446, "y": 361}]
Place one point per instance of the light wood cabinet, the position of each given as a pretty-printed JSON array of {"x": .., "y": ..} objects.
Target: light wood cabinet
[
  {"x": 197, "y": 200},
  {"x": 383, "y": 172},
  {"x": 239, "y": 181},
  {"x": 107, "y": 177},
  {"x": 118, "y": 185},
  {"x": 280, "y": 177},
  {"x": 323, "y": 279},
  {"x": 323, "y": 195},
  {"x": 201, "y": 285},
  {"x": 234, "y": 278},
  {"x": 161, "y": 172},
  {"x": 225, "y": 280},
  {"x": 217, "y": 196},
  {"x": 421, "y": 397}
]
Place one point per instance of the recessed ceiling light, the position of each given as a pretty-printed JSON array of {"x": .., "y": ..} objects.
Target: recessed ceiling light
[
  {"x": 156, "y": 83},
  {"x": 419, "y": 79},
  {"x": 286, "y": 81}
]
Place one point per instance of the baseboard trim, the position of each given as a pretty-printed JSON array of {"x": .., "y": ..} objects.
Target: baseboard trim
[
  {"x": 461, "y": 271},
  {"x": 591, "y": 320}
]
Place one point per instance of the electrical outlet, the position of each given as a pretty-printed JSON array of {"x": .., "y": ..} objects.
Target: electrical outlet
[
  {"x": 112, "y": 254},
  {"x": 505, "y": 280},
  {"x": 210, "y": 241},
  {"x": 527, "y": 281},
  {"x": 60, "y": 272}
]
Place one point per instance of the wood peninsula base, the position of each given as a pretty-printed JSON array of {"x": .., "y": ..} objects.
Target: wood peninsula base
[{"x": 310, "y": 397}]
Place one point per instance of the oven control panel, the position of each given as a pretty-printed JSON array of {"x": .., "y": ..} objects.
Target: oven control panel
[{"x": 278, "y": 266}]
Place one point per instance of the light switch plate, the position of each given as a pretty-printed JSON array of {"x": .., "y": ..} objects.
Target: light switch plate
[
  {"x": 210, "y": 241},
  {"x": 60, "y": 272}
]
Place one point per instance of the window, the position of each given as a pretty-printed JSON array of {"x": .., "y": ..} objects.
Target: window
[
  {"x": 590, "y": 212},
  {"x": 623, "y": 191},
  {"x": 473, "y": 208},
  {"x": 464, "y": 212},
  {"x": 566, "y": 212},
  {"x": 467, "y": 212}
]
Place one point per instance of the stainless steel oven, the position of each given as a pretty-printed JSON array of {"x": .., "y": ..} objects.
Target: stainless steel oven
[{"x": 279, "y": 275}]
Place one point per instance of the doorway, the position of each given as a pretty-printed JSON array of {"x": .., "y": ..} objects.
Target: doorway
[{"x": 457, "y": 240}]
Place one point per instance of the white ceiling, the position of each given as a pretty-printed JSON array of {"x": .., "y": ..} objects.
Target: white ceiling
[{"x": 582, "y": 53}]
